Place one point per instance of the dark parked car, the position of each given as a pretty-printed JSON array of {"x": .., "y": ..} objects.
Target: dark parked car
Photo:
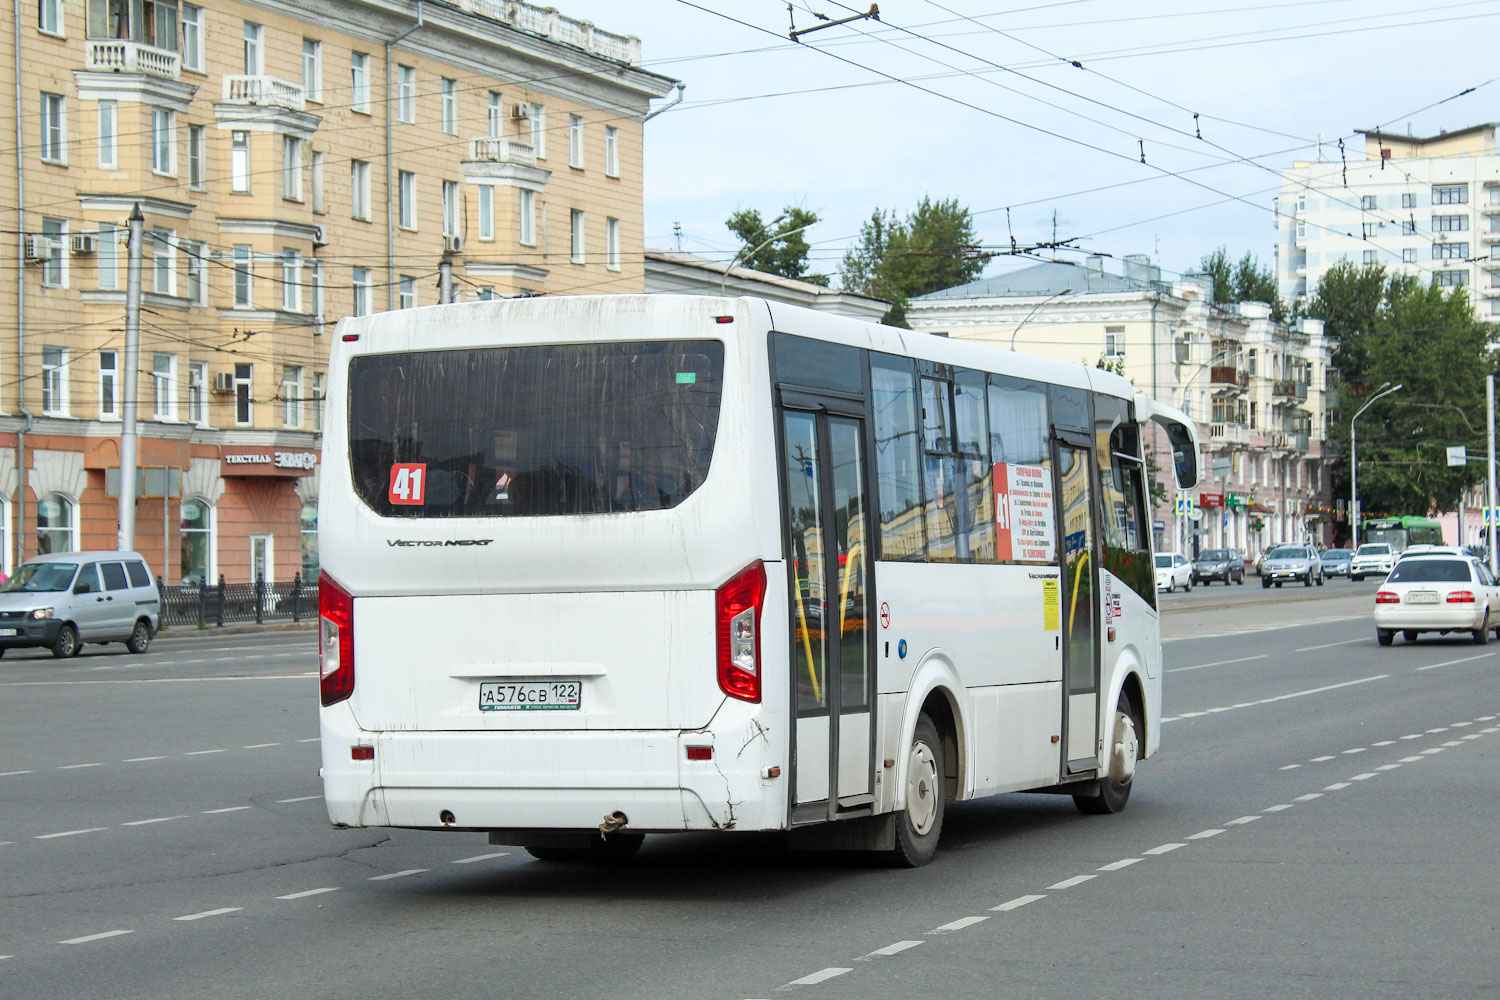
[
  {"x": 1219, "y": 564},
  {"x": 1336, "y": 561}
]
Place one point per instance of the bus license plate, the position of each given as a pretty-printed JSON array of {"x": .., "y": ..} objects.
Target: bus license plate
[
  {"x": 1422, "y": 597},
  {"x": 530, "y": 696}
]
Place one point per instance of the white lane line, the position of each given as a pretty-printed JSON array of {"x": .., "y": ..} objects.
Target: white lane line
[
  {"x": 1336, "y": 786},
  {"x": 1383, "y": 743},
  {"x": 69, "y": 833},
  {"x": 1217, "y": 663},
  {"x": 1115, "y": 866},
  {"x": 1277, "y": 808},
  {"x": 94, "y": 937},
  {"x": 1069, "y": 883},
  {"x": 1410, "y": 760},
  {"x": 1309, "y": 796},
  {"x": 958, "y": 925},
  {"x": 229, "y": 809},
  {"x": 1491, "y": 729},
  {"x": 821, "y": 976},
  {"x": 1485, "y": 718},
  {"x": 300, "y": 798},
  {"x": 1387, "y": 767},
  {"x": 1412, "y": 736},
  {"x": 312, "y": 739},
  {"x": 137, "y": 760},
  {"x": 1290, "y": 767},
  {"x": 403, "y": 874},
  {"x": 201, "y": 753},
  {"x": 1363, "y": 777},
  {"x": 76, "y": 767},
  {"x": 1439, "y": 729},
  {"x": 1449, "y": 663},
  {"x": 3, "y": 957},
  {"x": 1204, "y": 834},
  {"x": 164, "y": 680},
  {"x": 309, "y": 892},
  {"x": 894, "y": 949},
  {"x": 257, "y": 746},
  {"x": 1163, "y": 849},
  {"x": 9, "y": 774},
  {"x": 1329, "y": 645},
  {"x": 1473, "y": 736},
  {"x": 1242, "y": 821},
  {"x": 1319, "y": 760},
  {"x": 1460, "y": 725},
  {"x": 1432, "y": 750},
  {"x": 480, "y": 857},
  {"x": 1017, "y": 903},
  {"x": 211, "y": 913},
  {"x": 1293, "y": 694},
  {"x": 1454, "y": 743},
  {"x": 148, "y": 822},
  {"x": 1357, "y": 750}
]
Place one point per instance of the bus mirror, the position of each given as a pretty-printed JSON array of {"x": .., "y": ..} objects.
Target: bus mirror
[{"x": 1184, "y": 454}]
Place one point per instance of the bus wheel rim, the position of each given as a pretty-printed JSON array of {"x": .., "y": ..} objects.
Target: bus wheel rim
[
  {"x": 1126, "y": 748},
  {"x": 921, "y": 789}
]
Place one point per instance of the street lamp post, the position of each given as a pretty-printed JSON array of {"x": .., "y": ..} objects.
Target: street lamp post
[
  {"x": 1385, "y": 390},
  {"x": 746, "y": 254},
  {"x": 1034, "y": 308}
]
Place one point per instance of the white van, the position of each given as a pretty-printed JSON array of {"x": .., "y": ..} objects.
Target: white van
[{"x": 65, "y": 599}]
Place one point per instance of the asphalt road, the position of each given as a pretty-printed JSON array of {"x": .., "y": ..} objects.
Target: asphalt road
[{"x": 1319, "y": 823}]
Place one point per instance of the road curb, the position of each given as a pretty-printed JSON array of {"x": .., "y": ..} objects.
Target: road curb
[
  {"x": 1323, "y": 593},
  {"x": 191, "y": 633}
]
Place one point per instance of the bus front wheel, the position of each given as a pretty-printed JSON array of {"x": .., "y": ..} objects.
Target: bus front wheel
[
  {"x": 1112, "y": 790},
  {"x": 919, "y": 825}
]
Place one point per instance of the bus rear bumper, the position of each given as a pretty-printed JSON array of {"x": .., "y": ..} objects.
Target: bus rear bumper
[{"x": 490, "y": 781}]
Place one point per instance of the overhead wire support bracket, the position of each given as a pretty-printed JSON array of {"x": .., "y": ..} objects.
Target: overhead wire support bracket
[{"x": 873, "y": 14}]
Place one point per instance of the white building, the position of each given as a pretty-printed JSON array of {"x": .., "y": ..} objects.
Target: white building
[
  {"x": 688, "y": 274},
  {"x": 1429, "y": 207}
]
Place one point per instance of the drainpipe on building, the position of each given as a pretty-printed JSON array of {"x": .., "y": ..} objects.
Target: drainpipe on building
[
  {"x": 390, "y": 210},
  {"x": 21, "y": 487}
]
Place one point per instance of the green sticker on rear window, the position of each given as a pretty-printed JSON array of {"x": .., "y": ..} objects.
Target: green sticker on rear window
[{"x": 686, "y": 378}]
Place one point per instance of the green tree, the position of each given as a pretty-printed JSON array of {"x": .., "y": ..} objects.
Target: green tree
[
  {"x": 1244, "y": 281},
  {"x": 776, "y": 247},
  {"x": 897, "y": 259},
  {"x": 1348, "y": 300}
]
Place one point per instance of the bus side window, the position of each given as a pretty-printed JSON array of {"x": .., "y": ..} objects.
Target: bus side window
[
  {"x": 1018, "y": 437},
  {"x": 975, "y": 486},
  {"x": 893, "y": 384},
  {"x": 939, "y": 470},
  {"x": 1122, "y": 497}
]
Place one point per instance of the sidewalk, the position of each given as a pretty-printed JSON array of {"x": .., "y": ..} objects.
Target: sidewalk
[{"x": 235, "y": 628}]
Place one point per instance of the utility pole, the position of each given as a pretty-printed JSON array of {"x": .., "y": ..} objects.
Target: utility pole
[
  {"x": 131, "y": 388},
  {"x": 1489, "y": 421},
  {"x": 445, "y": 278}
]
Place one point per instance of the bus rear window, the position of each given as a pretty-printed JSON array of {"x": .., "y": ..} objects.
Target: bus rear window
[{"x": 534, "y": 431}]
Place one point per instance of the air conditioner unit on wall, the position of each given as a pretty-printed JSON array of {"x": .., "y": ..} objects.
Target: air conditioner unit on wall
[
  {"x": 320, "y": 236},
  {"x": 520, "y": 111},
  {"x": 453, "y": 244},
  {"x": 38, "y": 248},
  {"x": 85, "y": 243},
  {"x": 223, "y": 381}
]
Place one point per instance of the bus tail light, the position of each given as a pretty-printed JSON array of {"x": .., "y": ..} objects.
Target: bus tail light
[
  {"x": 1461, "y": 597},
  {"x": 738, "y": 605},
  {"x": 1387, "y": 597},
  {"x": 335, "y": 641}
]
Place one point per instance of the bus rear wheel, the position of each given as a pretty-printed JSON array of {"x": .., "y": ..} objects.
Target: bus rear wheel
[
  {"x": 920, "y": 824},
  {"x": 1112, "y": 791}
]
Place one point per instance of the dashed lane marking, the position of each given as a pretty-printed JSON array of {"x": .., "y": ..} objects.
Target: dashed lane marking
[
  {"x": 1205, "y": 834},
  {"x": 95, "y": 937},
  {"x": 309, "y": 892},
  {"x": 300, "y": 798},
  {"x": 1319, "y": 760},
  {"x": 1218, "y": 663},
  {"x": 137, "y": 760},
  {"x": 1163, "y": 849},
  {"x": 70, "y": 833},
  {"x": 1411, "y": 760},
  {"x": 821, "y": 976},
  {"x": 227, "y": 809},
  {"x": 1454, "y": 743},
  {"x": 893, "y": 949},
  {"x": 257, "y": 746},
  {"x": 1069, "y": 883},
  {"x": 11, "y": 774},
  {"x": 78, "y": 767},
  {"x": 958, "y": 925},
  {"x": 1449, "y": 663},
  {"x": 202, "y": 753},
  {"x": 1329, "y": 645},
  {"x": 1242, "y": 821},
  {"x": 1357, "y": 750},
  {"x": 1018, "y": 902},
  {"x": 403, "y": 874},
  {"x": 1115, "y": 866},
  {"x": 1336, "y": 786},
  {"x": 1363, "y": 777},
  {"x": 1383, "y": 743},
  {"x": 1277, "y": 808},
  {"x": 148, "y": 822},
  {"x": 1412, "y": 736},
  {"x": 1433, "y": 750},
  {"x": 1281, "y": 697},
  {"x": 481, "y": 857},
  {"x": 163, "y": 680},
  {"x": 1309, "y": 796},
  {"x": 311, "y": 739},
  {"x": 1290, "y": 767},
  {"x": 1387, "y": 767},
  {"x": 211, "y": 913}
]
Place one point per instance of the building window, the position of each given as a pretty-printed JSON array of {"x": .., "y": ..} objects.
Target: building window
[
  {"x": 291, "y": 395},
  {"x": 255, "y": 52},
  {"x": 49, "y": 17},
  {"x": 164, "y": 262},
  {"x": 575, "y": 253},
  {"x": 359, "y": 189},
  {"x": 197, "y": 546},
  {"x": 406, "y": 94},
  {"x": 55, "y": 267},
  {"x": 310, "y": 540},
  {"x": 197, "y": 147},
  {"x": 54, "y": 148},
  {"x": 527, "y": 216},
  {"x": 315, "y": 282},
  {"x": 485, "y": 293},
  {"x": 495, "y": 113},
  {"x": 1409, "y": 255},
  {"x": 54, "y": 381},
  {"x": 318, "y": 204},
  {"x": 539, "y": 130},
  {"x": 575, "y": 141},
  {"x": 1450, "y": 194},
  {"x": 1450, "y": 223},
  {"x": 611, "y": 151},
  {"x": 291, "y": 168},
  {"x": 197, "y": 412},
  {"x": 450, "y": 208},
  {"x": 612, "y": 244},
  {"x": 1450, "y": 279},
  {"x": 1367, "y": 202},
  {"x": 164, "y": 386},
  {"x": 239, "y": 162},
  {"x": 192, "y": 38},
  {"x": 406, "y": 199},
  {"x": 1408, "y": 228},
  {"x": 1368, "y": 229},
  {"x": 486, "y": 211},
  {"x": 109, "y": 400},
  {"x": 109, "y": 131},
  {"x": 107, "y": 259},
  {"x": 359, "y": 82},
  {"x": 1408, "y": 200},
  {"x": 197, "y": 273},
  {"x": 244, "y": 401},
  {"x": 312, "y": 70},
  {"x": 317, "y": 400},
  {"x": 361, "y": 291},
  {"x": 450, "y": 106},
  {"x": 56, "y": 525},
  {"x": 244, "y": 276},
  {"x": 1114, "y": 341},
  {"x": 163, "y": 141},
  {"x": 1369, "y": 256},
  {"x": 406, "y": 292},
  {"x": 1301, "y": 229},
  {"x": 1450, "y": 251},
  {"x": 291, "y": 281}
]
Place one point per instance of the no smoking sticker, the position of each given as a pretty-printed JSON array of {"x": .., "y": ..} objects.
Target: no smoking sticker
[{"x": 885, "y": 614}]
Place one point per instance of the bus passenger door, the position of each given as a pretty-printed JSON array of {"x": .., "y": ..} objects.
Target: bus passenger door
[
  {"x": 826, "y": 489},
  {"x": 1080, "y": 573}
]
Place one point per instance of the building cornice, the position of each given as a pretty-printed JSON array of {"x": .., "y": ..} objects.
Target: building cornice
[
  {"x": 501, "y": 174},
  {"x": 123, "y": 203},
  {"x": 144, "y": 88},
  {"x": 495, "y": 269},
  {"x": 266, "y": 118},
  {"x": 271, "y": 227}
]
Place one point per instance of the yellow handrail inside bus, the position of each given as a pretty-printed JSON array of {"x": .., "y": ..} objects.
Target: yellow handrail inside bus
[
  {"x": 849, "y": 567},
  {"x": 812, "y": 674},
  {"x": 1083, "y": 560}
]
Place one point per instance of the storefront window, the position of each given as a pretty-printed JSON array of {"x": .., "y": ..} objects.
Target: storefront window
[
  {"x": 197, "y": 542},
  {"x": 56, "y": 523},
  {"x": 310, "y": 541}
]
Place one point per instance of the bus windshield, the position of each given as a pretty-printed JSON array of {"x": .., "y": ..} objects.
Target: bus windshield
[{"x": 533, "y": 431}]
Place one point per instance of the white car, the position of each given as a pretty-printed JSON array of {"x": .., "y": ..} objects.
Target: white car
[
  {"x": 1437, "y": 593},
  {"x": 1173, "y": 571},
  {"x": 1371, "y": 559}
]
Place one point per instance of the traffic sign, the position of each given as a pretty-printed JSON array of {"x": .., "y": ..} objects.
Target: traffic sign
[
  {"x": 1185, "y": 506},
  {"x": 1491, "y": 516},
  {"x": 1458, "y": 454}
]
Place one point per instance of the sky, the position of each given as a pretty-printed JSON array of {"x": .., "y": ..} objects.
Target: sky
[{"x": 982, "y": 102}]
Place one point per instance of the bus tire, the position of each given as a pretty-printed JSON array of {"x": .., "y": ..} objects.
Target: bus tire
[
  {"x": 920, "y": 824},
  {"x": 1112, "y": 791}
]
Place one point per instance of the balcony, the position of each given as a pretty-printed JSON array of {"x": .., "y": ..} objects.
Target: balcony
[
  {"x": 548, "y": 23},
  {"x": 1288, "y": 389},
  {"x": 266, "y": 91},
  {"x": 500, "y": 149},
  {"x": 1300, "y": 442},
  {"x": 1228, "y": 377},
  {"x": 115, "y": 55},
  {"x": 1229, "y": 433}
]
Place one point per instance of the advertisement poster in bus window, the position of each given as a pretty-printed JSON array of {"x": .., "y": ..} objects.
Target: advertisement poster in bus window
[{"x": 1025, "y": 529}]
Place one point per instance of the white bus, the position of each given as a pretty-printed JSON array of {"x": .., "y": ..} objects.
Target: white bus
[{"x": 596, "y": 567}]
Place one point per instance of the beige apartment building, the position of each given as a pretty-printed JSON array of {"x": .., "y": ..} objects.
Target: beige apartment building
[{"x": 296, "y": 163}]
